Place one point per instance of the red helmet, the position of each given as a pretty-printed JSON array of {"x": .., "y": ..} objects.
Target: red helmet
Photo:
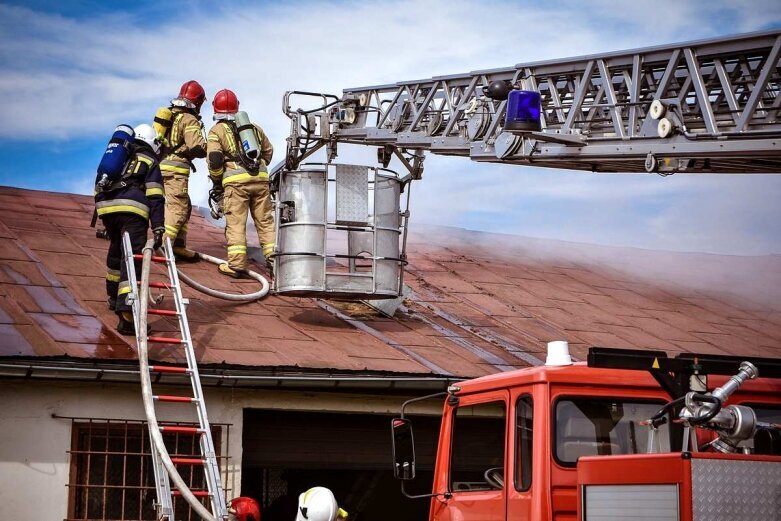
[
  {"x": 193, "y": 92},
  {"x": 225, "y": 102},
  {"x": 244, "y": 508}
]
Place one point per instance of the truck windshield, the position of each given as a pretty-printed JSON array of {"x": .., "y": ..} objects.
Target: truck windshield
[{"x": 603, "y": 426}]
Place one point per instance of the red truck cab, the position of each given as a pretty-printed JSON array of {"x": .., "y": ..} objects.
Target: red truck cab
[{"x": 510, "y": 443}]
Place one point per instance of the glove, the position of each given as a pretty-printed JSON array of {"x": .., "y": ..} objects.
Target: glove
[{"x": 158, "y": 234}]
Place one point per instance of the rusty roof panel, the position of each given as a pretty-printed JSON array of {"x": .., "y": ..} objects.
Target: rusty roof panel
[{"x": 478, "y": 305}]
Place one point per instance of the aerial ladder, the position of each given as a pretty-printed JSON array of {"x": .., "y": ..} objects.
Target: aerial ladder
[
  {"x": 707, "y": 106},
  {"x": 702, "y": 107}
]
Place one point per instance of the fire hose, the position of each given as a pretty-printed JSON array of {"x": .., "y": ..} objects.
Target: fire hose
[
  {"x": 146, "y": 388},
  {"x": 235, "y": 297}
]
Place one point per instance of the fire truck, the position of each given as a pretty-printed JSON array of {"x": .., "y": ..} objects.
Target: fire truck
[{"x": 629, "y": 435}]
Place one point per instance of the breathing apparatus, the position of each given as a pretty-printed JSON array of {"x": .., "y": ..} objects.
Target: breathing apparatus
[
  {"x": 164, "y": 120},
  {"x": 243, "y": 131},
  {"x": 117, "y": 155},
  {"x": 247, "y": 136}
]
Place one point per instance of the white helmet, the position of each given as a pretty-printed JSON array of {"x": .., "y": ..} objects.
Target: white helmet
[
  {"x": 318, "y": 504},
  {"x": 147, "y": 134}
]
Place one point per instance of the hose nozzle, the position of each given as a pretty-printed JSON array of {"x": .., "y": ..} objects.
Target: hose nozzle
[{"x": 747, "y": 371}]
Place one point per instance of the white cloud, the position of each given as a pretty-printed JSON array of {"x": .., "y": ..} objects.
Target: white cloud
[{"x": 62, "y": 76}]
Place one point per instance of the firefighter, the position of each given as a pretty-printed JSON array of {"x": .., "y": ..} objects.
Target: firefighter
[
  {"x": 243, "y": 182},
  {"x": 130, "y": 204},
  {"x": 319, "y": 504},
  {"x": 243, "y": 509},
  {"x": 185, "y": 142}
]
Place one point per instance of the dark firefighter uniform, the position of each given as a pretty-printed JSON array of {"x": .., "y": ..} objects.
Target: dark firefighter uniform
[{"x": 130, "y": 205}]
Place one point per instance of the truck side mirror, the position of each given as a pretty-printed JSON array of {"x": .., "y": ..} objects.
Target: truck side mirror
[{"x": 403, "y": 449}]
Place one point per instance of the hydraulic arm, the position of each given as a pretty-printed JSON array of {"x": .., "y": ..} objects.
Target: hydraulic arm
[{"x": 707, "y": 106}]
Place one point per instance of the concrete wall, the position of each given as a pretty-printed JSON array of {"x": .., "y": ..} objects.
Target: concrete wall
[{"x": 34, "y": 444}]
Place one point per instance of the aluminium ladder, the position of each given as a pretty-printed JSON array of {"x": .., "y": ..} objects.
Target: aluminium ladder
[{"x": 208, "y": 459}]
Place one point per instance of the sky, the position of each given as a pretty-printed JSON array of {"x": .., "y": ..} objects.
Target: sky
[{"x": 71, "y": 71}]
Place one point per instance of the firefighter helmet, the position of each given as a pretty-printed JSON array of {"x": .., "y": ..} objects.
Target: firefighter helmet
[
  {"x": 244, "y": 509},
  {"x": 193, "y": 92},
  {"x": 148, "y": 135},
  {"x": 318, "y": 504},
  {"x": 225, "y": 102}
]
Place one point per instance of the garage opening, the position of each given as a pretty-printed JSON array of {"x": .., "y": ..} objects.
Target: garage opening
[{"x": 287, "y": 452}]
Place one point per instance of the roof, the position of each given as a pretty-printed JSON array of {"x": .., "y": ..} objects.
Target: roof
[{"x": 473, "y": 310}]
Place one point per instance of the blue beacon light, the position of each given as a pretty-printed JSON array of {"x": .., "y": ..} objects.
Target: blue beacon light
[{"x": 523, "y": 111}]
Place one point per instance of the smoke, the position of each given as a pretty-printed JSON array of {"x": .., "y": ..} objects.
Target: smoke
[{"x": 753, "y": 282}]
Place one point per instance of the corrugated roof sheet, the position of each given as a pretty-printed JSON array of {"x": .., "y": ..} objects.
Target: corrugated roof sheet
[{"x": 472, "y": 311}]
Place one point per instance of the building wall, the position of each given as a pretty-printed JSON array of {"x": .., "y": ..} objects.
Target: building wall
[{"x": 34, "y": 459}]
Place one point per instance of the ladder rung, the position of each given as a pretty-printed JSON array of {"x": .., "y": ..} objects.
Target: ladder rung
[
  {"x": 187, "y": 461},
  {"x": 173, "y": 398},
  {"x": 181, "y": 429},
  {"x": 159, "y": 285},
  {"x": 155, "y": 258},
  {"x": 165, "y": 340},
  {"x": 163, "y": 312},
  {"x": 196, "y": 493},
  {"x": 168, "y": 369}
]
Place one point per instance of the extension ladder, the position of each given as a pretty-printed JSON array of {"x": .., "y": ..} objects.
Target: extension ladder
[{"x": 208, "y": 459}]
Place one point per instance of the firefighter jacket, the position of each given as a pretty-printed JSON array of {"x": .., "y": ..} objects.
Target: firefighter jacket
[
  {"x": 139, "y": 191},
  {"x": 185, "y": 142},
  {"x": 227, "y": 164}
]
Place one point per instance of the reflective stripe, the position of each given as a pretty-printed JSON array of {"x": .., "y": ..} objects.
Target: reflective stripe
[
  {"x": 192, "y": 128},
  {"x": 173, "y": 231},
  {"x": 145, "y": 159},
  {"x": 242, "y": 176},
  {"x": 122, "y": 205},
  {"x": 123, "y": 209},
  {"x": 213, "y": 138},
  {"x": 124, "y": 288},
  {"x": 238, "y": 248},
  {"x": 113, "y": 276},
  {"x": 154, "y": 191},
  {"x": 183, "y": 228},
  {"x": 175, "y": 128},
  {"x": 268, "y": 248},
  {"x": 229, "y": 138},
  {"x": 176, "y": 167}
]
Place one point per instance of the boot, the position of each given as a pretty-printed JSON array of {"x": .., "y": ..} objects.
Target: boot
[
  {"x": 184, "y": 254},
  {"x": 234, "y": 273},
  {"x": 112, "y": 304},
  {"x": 270, "y": 267},
  {"x": 126, "y": 326}
]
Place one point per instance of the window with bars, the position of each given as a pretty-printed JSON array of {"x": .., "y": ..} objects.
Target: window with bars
[{"x": 111, "y": 474}]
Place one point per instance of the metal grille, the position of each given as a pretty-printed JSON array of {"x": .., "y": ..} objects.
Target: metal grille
[
  {"x": 112, "y": 478},
  {"x": 352, "y": 195}
]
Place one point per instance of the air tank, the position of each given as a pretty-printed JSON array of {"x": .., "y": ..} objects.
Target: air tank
[
  {"x": 116, "y": 156},
  {"x": 164, "y": 118},
  {"x": 249, "y": 141}
]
